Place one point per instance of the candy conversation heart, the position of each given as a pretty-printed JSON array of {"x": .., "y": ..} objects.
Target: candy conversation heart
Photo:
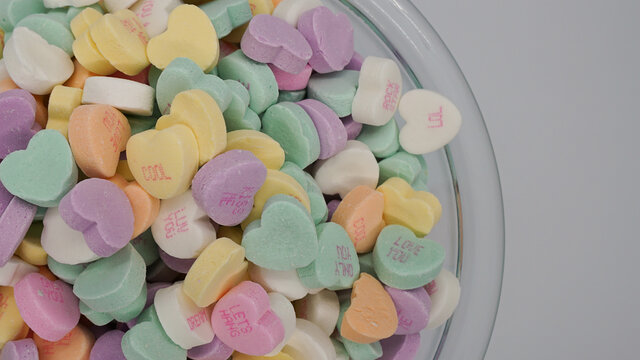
[
  {"x": 399, "y": 347},
  {"x": 15, "y": 217},
  {"x": 322, "y": 309},
  {"x": 336, "y": 90},
  {"x": 319, "y": 210},
  {"x": 444, "y": 291},
  {"x": 43, "y": 173},
  {"x": 154, "y": 14},
  {"x": 382, "y": 140},
  {"x": 145, "y": 207},
  {"x": 309, "y": 342},
  {"x": 108, "y": 346},
  {"x": 259, "y": 144},
  {"x": 432, "y": 121},
  {"x": 215, "y": 350},
  {"x": 290, "y": 10},
  {"x": 226, "y": 15},
  {"x": 20, "y": 349},
  {"x": 131, "y": 97},
  {"x": 147, "y": 340},
  {"x": 412, "y": 307},
  {"x": 331, "y": 131},
  {"x": 379, "y": 89},
  {"x": 62, "y": 102},
  {"x": 17, "y": 116},
  {"x": 62, "y": 243},
  {"x": 401, "y": 164}
]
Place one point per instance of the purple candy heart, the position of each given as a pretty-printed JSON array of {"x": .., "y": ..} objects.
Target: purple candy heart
[
  {"x": 330, "y": 36},
  {"x": 413, "y": 308},
  {"x": 20, "y": 350},
  {"x": 355, "y": 63},
  {"x": 269, "y": 39},
  {"x": 179, "y": 265},
  {"x": 224, "y": 187},
  {"x": 353, "y": 128},
  {"x": 17, "y": 118},
  {"x": 332, "y": 206},
  {"x": 400, "y": 347},
  {"x": 101, "y": 212},
  {"x": 331, "y": 131},
  {"x": 215, "y": 350},
  {"x": 16, "y": 215},
  {"x": 108, "y": 347}
]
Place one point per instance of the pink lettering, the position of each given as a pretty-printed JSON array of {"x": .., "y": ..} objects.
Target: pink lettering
[{"x": 435, "y": 120}]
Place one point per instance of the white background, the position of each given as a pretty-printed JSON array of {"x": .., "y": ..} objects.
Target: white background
[{"x": 558, "y": 82}]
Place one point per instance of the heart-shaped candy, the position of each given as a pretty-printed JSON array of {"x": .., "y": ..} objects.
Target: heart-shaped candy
[
  {"x": 97, "y": 135},
  {"x": 330, "y": 36},
  {"x": 362, "y": 351},
  {"x": 183, "y": 74},
  {"x": 403, "y": 261},
  {"x": 353, "y": 128},
  {"x": 62, "y": 243},
  {"x": 62, "y": 102},
  {"x": 48, "y": 307},
  {"x": 17, "y": 117},
  {"x": 444, "y": 291},
  {"x": 43, "y": 173},
  {"x": 382, "y": 140},
  {"x": 76, "y": 344},
  {"x": 412, "y": 307},
  {"x": 189, "y": 34},
  {"x": 401, "y": 164},
  {"x": 243, "y": 319},
  {"x": 319, "y": 210},
  {"x": 120, "y": 91},
  {"x": 219, "y": 267},
  {"x": 292, "y": 96},
  {"x": 16, "y": 216},
  {"x": 290, "y": 10},
  {"x": 102, "y": 212},
  {"x": 331, "y": 131},
  {"x": 309, "y": 342},
  {"x": 24, "y": 349},
  {"x": 283, "y": 309},
  {"x": 215, "y": 350},
  {"x": 259, "y": 144},
  {"x": 163, "y": 162},
  {"x": 154, "y": 14},
  {"x": 14, "y": 270},
  {"x": 225, "y": 186},
  {"x": 416, "y": 210},
  {"x": 284, "y": 238},
  {"x": 14, "y": 10},
  {"x": 147, "y": 340},
  {"x": 235, "y": 115},
  {"x": 145, "y": 207},
  {"x": 336, "y": 90},
  {"x": 197, "y": 110},
  {"x": 400, "y": 347},
  {"x": 432, "y": 121},
  {"x": 116, "y": 5},
  {"x": 336, "y": 267},
  {"x": 379, "y": 89},
  {"x": 286, "y": 283},
  {"x": 350, "y": 168},
  {"x": 108, "y": 346},
  {"x": 63, "y": 3},
  {"x": 269, "y": 39},
  {"x": 322, "y": 309},
  {"x": 53, "y": 29},
  {"x": 356, "y": 62},
  {"x": 226, "y": 15}
]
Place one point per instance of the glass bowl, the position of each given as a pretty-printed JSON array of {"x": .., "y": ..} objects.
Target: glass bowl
[{"x": 464, "y": 175}]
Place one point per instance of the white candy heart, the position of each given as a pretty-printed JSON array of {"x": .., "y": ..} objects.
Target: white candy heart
[
  {"x": 126, "y": 95},
  {"x": 286, "y": 283},
  {"x": 52, "y": 4},
  {"x": 309, "y": 342},
  {"x": 4, "y": 74},
  {"x": 445, "y": 295},
  {"x": 115, "y": 5},
  {"x": 290, "y": 10},
  {"x": 322, "y": 309},
  {"x": 154, "y": 14},
  {"x": 379, "y": 89},
  {"x": 184, "y": 322},
  {"x": 33, "y": 64},
  {"x": 432, "y": 121},
  {"x": 62, "y": 243},
  {"x": 287, "y": 315},
  {"x": 15, "y": 269},
  {"x": 354, "y": 166},
  {"x": 182, "y": 229}
]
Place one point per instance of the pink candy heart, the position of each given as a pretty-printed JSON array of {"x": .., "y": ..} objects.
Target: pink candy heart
[
  {"x": 330, "y": 36},
  {"x": 17, "y": 118},
  {"x": 243, "y": 320},
  {"x": 48, "y": 307}
]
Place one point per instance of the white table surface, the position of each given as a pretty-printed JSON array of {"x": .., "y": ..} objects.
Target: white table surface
[{"x": 558, "y": 82}]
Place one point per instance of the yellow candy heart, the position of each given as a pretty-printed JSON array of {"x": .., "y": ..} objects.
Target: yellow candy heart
[
  {"x": 416, "y": 210},
  {"x": 219, "y": 267},
  {"x": 122, "y": 40},
  {"x": 259, "y": 144},
  {"x": 278, "y": 356},
  {"x": 257, "y": 7},
  {"x": 200, "y": 112},
  {"x": 165, "y": 161},
  {"x": 62, "y": 101},
  {"x": 124, "y": 171},
  {"x": 277, "y": 182},
  {"x": 30, "y": 249},
  {"x": 84, "y": 20},
  {"x": 189, "y": 34},
  {"x": 88, "y": 55},
  {"x": 12, "y": 327}
]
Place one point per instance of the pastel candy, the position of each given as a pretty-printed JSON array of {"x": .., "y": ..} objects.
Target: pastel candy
[
  {"x": 226, "y": 15},
  {"x": 182, "y": 229},
  {"x": 255, "y": 76},
  {"x": 412, "y": 307},
  {"x": 331, "y": 131},
  {"x": 215, "y": 350},
  {"x": 289, "y": 232},
  {"x": 321, "y": 309},
  {"x": 14, "y": 270},
  {"x": 133, "y": 309},
  {"x": 382, "y": 140},
  {"x": 53, "y": 30},
  {"x": 220, "y": 267},
  {"x": 95, "y": 317},
  {"x": 109, "y": 283},
  {"x": 234, "y": 115},
  {"x": 353, "y": 128},
  {"x": 356, "y": 62},
  {"x": 62, "y": 243},
  {"x": 16, "y": 216},
  {"x": 280, "y": 356},
  {"x": 17, "y": 116},
  {"x": 319, "y": 210},
  {"x": 243, "y": 319},
  {"x": 366, "y": 264},
  {"x": 30, "y": 249},
  {"x": 102, "y": 212},
  {"x": 330, "y": 36},
  {"x": 49, "y": 308},
  {"x": 336, "y": 90},
  {"x": 405, "y": 262},
  {"x": 115, "y": 5},
  {"x": 145, "y": 207},
  {"x": 62, "y": 102},
  {"x": 183, "y": 74},
  {"x": 283, "y": 309},
  {"x": 108, "y": 346},
  {"x": 126, "y": 95},
  {"x": 341, "y": 352},
  {"x": 336, "y": 266},
  {"x": 285, "y": 282},
  {"x": 291, "y": 96},
  {"x": 81, "y": 22},
  {"x": 291, "y": 10},
  {"x": 154, "y": 14},
  {"x": 362, "y": 351},
  {"x": 379, "y": 89},
  {"x": 400, "y": 347},
  {"x": 309, "y": 342},
  {"x": 139, "y": 124},
  {"x": 189, "y": 34},
  {"x": 148, "y": 341},
  {"x": 79, "y": 76},
  {"x": 75, "y": 345},
  {"x": 20, "y": 350},
  {"x": 417, "y": 210},
  {"x": 181, "y": 266},
  {"x": 225, "y": 186},
  {"x": 401, "y": 164},
  {"x": 88, "y": 55},
  {"x": 11, "y": 323},
  {"x": 332, "y": 206},
  {"x": 432, "y": 121},
  {"x": 259, "y": 144},
  {"x": 291, "y": 82},
  {"x": 293, "y": 129},
  {"x": 13, "y": 11},
  {"x": 43, "y": 173},
  {"x": 444, "y": 291},
  {"x": 97, "y": 136},
  {"x": 257, "y": 7},
  {"x": 67, "y": 273}
]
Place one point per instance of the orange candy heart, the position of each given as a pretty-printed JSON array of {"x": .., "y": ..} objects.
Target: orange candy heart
[
  {"x": 145, "y": 207},
  {"x": 76, "y": 345},
  {"x": 360, "y": 214}
]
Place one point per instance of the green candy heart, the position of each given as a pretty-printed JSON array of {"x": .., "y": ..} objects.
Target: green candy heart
[
  {"x": 420, "y": 183},
  {"x": 149, "y": 314},
  {"x": 284, "y": 238},
  {"x": 132, "y": 310},
  {"x": 401, "y": 164},
  {"x": 109, "y": 283},
  {"x": 154, "y": 74},
  {"x": 341, "y": 352},
  {"x": 183, "y": 74},
  {"x": 146, "y": 246},
  {"x": 362, "y": 351},
  {"x": 404, "y": 261},
  {"x": 256, "y": 77},
  {"x": 366, "y": 264},
  {"x": 139, "y": 124},
  {"x": 292, "y": 96},
  {"x": 12, "y": 11},
  {"x": 213, "y": 71},
  {"x": 319, "y": 210},
  {"x": 66, "y": 273},
  {"x": 66, "y": 14},
  {"x": 43, "y": 173},
  {"x": 382, "y": 140},
  {"x": 226, "y": 15},
  {"x": 148, "y": 341},
  {"x": 336, "y": 90},
  {"x": 54, "y": 30},
  {"x": 235, "y": 113},
  {"x": 96, "y": 317},
  {"x": 337, "y": 266},
  {"x": 289, "y": 125}
]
